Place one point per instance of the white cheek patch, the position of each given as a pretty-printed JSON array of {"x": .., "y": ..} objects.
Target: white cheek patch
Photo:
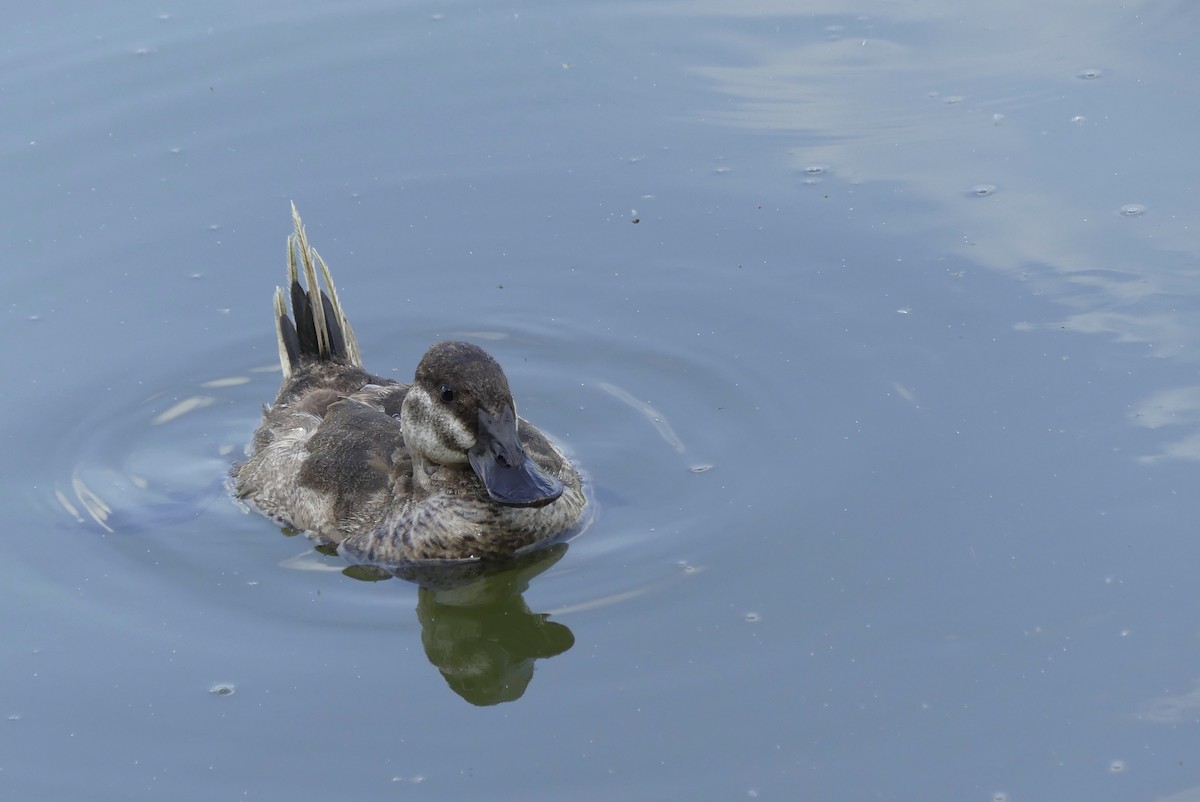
[
  {"x": 454, "y": 437},
  {"x": 434, "y": 431}
]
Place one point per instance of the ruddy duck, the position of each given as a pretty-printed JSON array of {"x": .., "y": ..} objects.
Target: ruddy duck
[{"x": 393, "y": 473}]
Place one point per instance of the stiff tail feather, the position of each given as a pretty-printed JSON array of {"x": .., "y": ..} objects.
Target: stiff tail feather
[{"x": 320, "y": 329}]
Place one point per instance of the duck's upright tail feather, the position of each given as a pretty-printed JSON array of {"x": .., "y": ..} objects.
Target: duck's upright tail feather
[{"x": 320, "y": 330}]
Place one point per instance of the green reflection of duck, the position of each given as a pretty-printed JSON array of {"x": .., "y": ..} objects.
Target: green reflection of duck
[{"x": 476, "y": 628}]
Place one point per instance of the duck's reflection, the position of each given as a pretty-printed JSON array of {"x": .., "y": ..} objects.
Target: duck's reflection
[{"x": 475, "y": 625}]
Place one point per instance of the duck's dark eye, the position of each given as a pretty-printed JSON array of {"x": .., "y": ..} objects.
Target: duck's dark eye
[{"x": 447, "y": 394}]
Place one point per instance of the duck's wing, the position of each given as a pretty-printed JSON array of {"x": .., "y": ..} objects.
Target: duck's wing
[
  {"x": 324, "y": 461},
  {"x": 348, "y": 476}
]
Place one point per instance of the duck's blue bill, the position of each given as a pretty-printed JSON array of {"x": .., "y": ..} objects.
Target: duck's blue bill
[{"x": 500, "y": 462}]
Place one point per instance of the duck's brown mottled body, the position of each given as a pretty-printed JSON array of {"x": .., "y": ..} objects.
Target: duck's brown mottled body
[{"x": 394, "y": 473}]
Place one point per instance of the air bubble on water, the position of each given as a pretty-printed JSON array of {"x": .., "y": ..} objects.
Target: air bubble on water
[
  {"x": 1089, "y": 74},
  {"x": 982, "y": 190},
  {"x": 1133, "y": 210},
  {"x": 222, "y": 689}
]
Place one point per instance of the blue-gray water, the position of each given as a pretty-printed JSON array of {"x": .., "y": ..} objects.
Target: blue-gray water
[{"x": 874, "y": 324}]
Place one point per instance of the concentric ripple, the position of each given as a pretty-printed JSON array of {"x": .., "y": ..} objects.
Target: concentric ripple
[{"x": 649, "y": 424}]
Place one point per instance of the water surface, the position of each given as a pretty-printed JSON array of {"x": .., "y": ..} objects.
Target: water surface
[{"x": 873, "y": 327}]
